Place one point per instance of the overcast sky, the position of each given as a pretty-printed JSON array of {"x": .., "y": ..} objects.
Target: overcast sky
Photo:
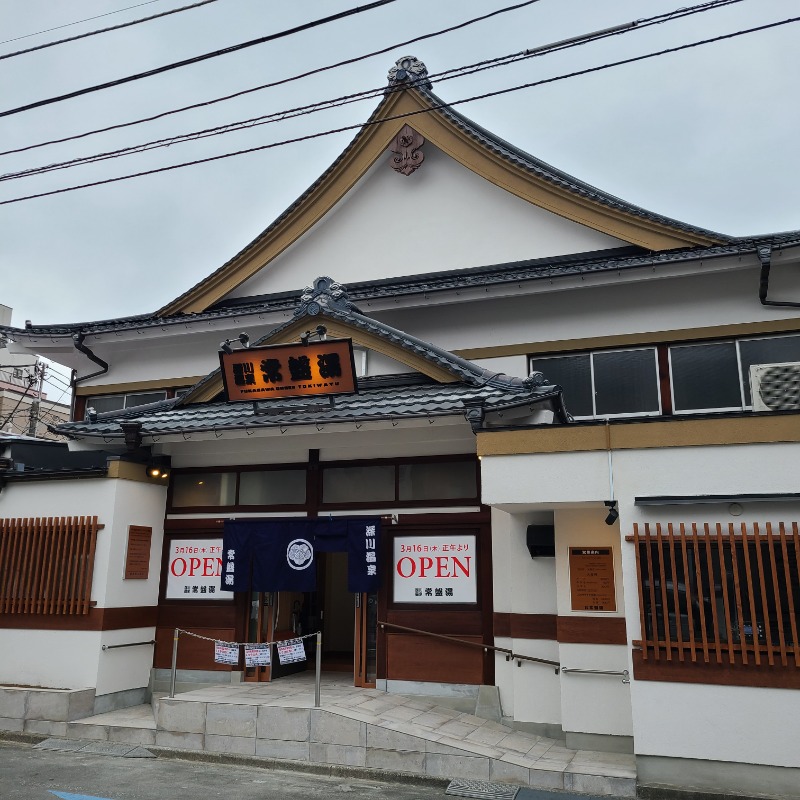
[{"x": 708, "y": 136}]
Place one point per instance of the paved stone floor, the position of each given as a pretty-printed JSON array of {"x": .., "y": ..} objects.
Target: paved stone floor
[{"x": 513, "y": 755}]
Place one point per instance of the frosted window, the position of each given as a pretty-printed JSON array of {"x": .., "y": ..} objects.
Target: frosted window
[
  {"x": 442, "y": 481},
  {"x": 358, "y": 484},
  {"x": 272, "y": 487},
  {"x": 204, "y": 489}
]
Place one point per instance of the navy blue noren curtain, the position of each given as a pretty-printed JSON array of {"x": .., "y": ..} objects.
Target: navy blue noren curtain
[{"x": 274, "y": 555}]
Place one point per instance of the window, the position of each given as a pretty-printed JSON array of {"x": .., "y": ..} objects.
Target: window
[
  {"x": 606, "y": 383},
  {"x": 203, "y": 489},
  {"x": 365, "y": 484},
  {"x": 716, "y": 375},
  {"x": 773, "y": 350},
  {"x": 733, "y": 594},
  {"x": 116, "y": 402},
  {"x": 358, "y": 484},
  {"x": 272, "y": 487},
  {"x": 705, "y": 376}
]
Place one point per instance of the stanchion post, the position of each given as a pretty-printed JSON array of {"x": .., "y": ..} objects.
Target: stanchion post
[
  {"x": 174, "y": 662},
  {"x": 319, "y": 669}
]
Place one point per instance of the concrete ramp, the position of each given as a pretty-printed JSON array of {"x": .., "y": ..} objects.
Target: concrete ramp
[{"x": 362, "y": 728}]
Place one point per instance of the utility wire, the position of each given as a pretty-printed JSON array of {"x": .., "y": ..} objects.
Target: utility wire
[
  {"x": 317, "y": 71},
  {"x": 197, "y": 59},
  {"x": 78, "y": 22},
  {"x": 496, "y": 93},
  {"x": 456, "y": 72},
  {"x": 105, "y": 30},
  {"x": 31, "y": 381}
]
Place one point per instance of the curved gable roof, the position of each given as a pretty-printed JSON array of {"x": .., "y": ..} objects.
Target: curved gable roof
[{"x": 533, "y": 180}]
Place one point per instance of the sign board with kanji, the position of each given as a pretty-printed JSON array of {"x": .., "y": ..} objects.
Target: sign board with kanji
[
  {"x": 137, "y": 553},
  {"x": 194, "y": 570},
  {"x": 591, "y": 579},
  {"x": 289, "y": 370},
  {"x": 435, "y": 569}
]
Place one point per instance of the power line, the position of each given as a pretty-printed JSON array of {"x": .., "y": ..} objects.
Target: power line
[
  {"x": 31, "y": 381},
  {"x": 105, "y": 30},
  {"x": 78, "y": 22},
  {"x": 307, "y": 74},
  {"x": 485, "y": 95},
  {"x": 456, "y": 72},
  {"x": 197, "y": 59}
]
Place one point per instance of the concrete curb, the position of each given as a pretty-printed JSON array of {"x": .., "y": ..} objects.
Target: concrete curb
[
  {"x": 22, "y": 738},
  {"x": 281, "y": 765},
  {"x": 311, "y": 768}
]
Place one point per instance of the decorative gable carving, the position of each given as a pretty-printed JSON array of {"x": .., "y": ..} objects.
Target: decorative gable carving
[{"x": 406, "y": 148}]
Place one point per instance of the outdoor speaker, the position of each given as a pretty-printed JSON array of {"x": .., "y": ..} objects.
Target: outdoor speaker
[{"x": 541, "y": 541}]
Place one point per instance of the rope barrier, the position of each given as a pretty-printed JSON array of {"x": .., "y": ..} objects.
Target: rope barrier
[{"x": 242, "y": 644}]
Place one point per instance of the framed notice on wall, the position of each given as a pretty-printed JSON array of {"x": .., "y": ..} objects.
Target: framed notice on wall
[
  {"x": 591, "y": 579},
  {"x": 137, "y": 553}
]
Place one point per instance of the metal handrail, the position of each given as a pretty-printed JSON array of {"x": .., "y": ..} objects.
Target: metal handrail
[
  {"x": 128, "y": 644},
  {"x": 509, "y": 654},
  {"x": 623, "y": 673}
]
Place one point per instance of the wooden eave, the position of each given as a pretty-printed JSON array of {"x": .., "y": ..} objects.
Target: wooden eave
[
  {"x": 337, "y": 329},
  {"x": 414, "y": 108}
]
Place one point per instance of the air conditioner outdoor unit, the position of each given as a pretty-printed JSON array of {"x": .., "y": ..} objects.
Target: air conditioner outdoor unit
[{"x": 775, "y": 387}]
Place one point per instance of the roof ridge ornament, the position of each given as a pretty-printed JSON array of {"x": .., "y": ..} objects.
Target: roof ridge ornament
[
  {"x": 325, "y": 293},
  {"x": 408, "y": 71}
]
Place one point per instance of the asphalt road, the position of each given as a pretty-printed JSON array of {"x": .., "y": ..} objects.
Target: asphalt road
[{"x": 29, "y": 774}]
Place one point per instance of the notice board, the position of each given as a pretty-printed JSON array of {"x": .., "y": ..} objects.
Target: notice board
[
  {"x": 591, "y": 579},
  {"x": 137, "y": 555}
]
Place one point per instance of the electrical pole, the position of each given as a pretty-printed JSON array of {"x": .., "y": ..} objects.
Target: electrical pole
[{"x": 33, "y": 411}]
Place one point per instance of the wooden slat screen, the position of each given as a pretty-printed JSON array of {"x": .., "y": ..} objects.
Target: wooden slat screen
[
  {"x": 727, "y": 592},
  {"x": 46, "y": 564}
]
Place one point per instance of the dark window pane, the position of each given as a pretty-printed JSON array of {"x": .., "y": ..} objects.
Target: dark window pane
[
  {"x": 142, "y": 398},
  {"x": 358, "y": 484},
  {"x": 203, "y": 489},
  {"x": 102, "y": 404},
  {"x": 438, "y": 481},
  {"x": 705, "y": 376},
  {"x": 272, "y": 487},
  {"x": 574, "y": 375},
  {"x": 625, "y": 382},
  {"x": 766, "y": 351}
]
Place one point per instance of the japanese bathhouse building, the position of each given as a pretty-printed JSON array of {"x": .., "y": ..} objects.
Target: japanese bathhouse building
[{"x": 566, "y": 439}]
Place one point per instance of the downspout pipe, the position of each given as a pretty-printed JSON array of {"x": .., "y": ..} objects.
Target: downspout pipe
[
  {"x": 764, "y": 253},
  {"x": 77, "y": 340}
]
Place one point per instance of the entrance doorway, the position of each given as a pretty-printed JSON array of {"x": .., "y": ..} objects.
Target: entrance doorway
[{"x": 348, "y": 623}]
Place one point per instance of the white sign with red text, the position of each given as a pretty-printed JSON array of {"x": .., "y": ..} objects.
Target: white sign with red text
[
  {"x": 194, "y": 567},
  {"x": 435, "y": 569}
]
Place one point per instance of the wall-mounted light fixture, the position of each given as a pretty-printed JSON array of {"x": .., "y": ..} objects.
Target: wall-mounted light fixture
[
  {"x": 158, "y": 468},
  {"x": 613, "y": 513}
]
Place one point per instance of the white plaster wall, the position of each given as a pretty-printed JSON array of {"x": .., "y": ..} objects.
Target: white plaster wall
[
  {"x": 567, "y": 310},
  {"x": 74, "y": 659},
  {"x": 720, "y": 723},
  {"x": 441, "y": 217},
  {"x": 544, "y": 480},
  {"x": 523, "y": 585},
  {"x": 126, "y": 667},
  {"x": 53, "y": 659},
  {"x": 727, "y": 723},
  {"x": 135, "y": 503},
  {"x": 591, "y": 703}
]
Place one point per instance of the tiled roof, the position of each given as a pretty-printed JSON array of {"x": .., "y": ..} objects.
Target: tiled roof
[
  {"x": 400, "y": 397},
  {"x": 493, "y": 275}
]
